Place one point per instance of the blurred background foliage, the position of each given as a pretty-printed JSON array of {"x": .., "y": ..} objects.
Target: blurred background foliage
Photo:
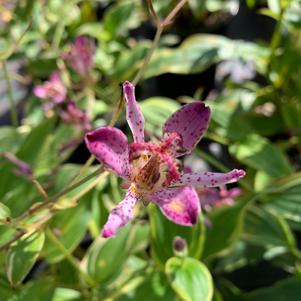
[{"x": 244, "y": 59}]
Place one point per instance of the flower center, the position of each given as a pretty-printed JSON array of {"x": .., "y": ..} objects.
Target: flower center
[{"x": 152, "y": 166}]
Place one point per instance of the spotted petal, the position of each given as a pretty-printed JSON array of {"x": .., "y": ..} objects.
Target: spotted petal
[
  {"x": 180, "y": 205},
  {"x": 110, "y": 146},
  {"x": 134, "y": 115},
  {"x": 120, "y": 215},
  {"x": 190, "y": 123},
  {"x": 210, "y": 179}
]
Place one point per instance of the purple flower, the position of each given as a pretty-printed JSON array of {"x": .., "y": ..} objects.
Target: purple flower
[
  {"x": 80, "y": 55},
  {"x": 152, "y": 169},
  {"x": 53, "y": 89},
  {"x": 73, "y": 114},
  {"x": 216, "y": 197}
]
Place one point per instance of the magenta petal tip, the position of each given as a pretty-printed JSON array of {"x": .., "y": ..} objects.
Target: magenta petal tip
[
  {"x": 128, "y": 85},
  {"x": 106, "y": 233},
  {"x": 240, "y": 173}
]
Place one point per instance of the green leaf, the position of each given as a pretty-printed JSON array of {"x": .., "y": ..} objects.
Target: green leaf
[
  {"x": 163, "y": 233},
  {"x": 34, "y": 144},
  {"x": 156, "y": 111},
  {"x": 128, "y": 61},
  {"x": 267, "y": 229},
  {"x": 6, "y": 233},
  {"x": 190, "y": 279},
  {"x": 242, "y": 254},
  {"x": 291, "y": 112},
  {"x": 226, "y": 228},
  {"x": 198, "y": 8},
  {"x": 4, "y": 212},
  {"x": 106, "y": 257},
  {"x": 6, "y": 290},
  {"x": 148, "y": 288},
  {"x": 200, "y": 51},
  {"x": 286, "y": 198},
  {"x": 197, "y": 53},
  {"x": 34, "y": 291},
  {"x": 259, "y": 153},
  {"x": 118, "y": 18},
  {"x": 10, "y": 139},
  {"x": 274, "y": 6},
  {"x": 229, "y": 114},
  {"x": 288, "y": 289},
  {"x": 70, "y": 225},
  {"x": 66, "y": 294},
  {"x": 22, "y": 255}
]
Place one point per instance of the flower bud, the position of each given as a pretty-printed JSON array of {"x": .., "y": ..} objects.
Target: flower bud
[{"x": 180, "y": 246}]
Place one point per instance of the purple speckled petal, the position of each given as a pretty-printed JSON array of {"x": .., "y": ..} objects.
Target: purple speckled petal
[
  {"x": 110, "y": 146},
  {"x": 120, "y": 215},
  {"x": 210, "y": 179},
  {"x": 134, "y": 115},
  {"x": 180, "y": 205},
  {"x": 190, "y": 123}
]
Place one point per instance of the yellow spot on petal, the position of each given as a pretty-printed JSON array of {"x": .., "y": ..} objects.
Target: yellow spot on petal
[
  {"x": 135, "y": 191},
  {"x": 176, "y": 206}
]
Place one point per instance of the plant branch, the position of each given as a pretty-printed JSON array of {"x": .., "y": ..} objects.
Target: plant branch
[
  {"x": 13, "y": 109},
  {"x": 50, "y": 200},
  {"x": 90, "y": 186},
  {"x": 173, "y": 13},
  {"x": 117, "y": 111},
  {"x": 18, "y": 235},
  {"x": 149, "y": 55},
  {"x": 40, "y": 188},
  {"x": 83, "y": 169},
  {"x": 153, "y": 12},
  {"x": 160, "y": 28}
]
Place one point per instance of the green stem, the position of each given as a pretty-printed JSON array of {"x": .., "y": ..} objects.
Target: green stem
[
  {"x": 13, "y": 109},
  {"x": 149, "y": 55},
  {"x": 90, "y": 186},
  {"x": 117, "y": 111},
  {"x": 83, "y": 169},
  {"x": 160, "y": 28},
  {"x": 30, "y": 211},
  {"x": 174, "y": 11}
]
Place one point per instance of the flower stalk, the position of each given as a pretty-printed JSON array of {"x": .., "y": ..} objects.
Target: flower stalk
[
  {"x": 161, "y": 25},
  {"x": 13, "y": 109}
]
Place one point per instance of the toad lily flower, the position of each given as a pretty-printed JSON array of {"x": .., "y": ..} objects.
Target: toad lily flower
[
  {"x": 53, "y": 89},
  {"x": 152, "y": 169},
  {"x": 80, "y": 56},
  {"x": 216, "y": 197},
  {"x": 72, "y": 114}
]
